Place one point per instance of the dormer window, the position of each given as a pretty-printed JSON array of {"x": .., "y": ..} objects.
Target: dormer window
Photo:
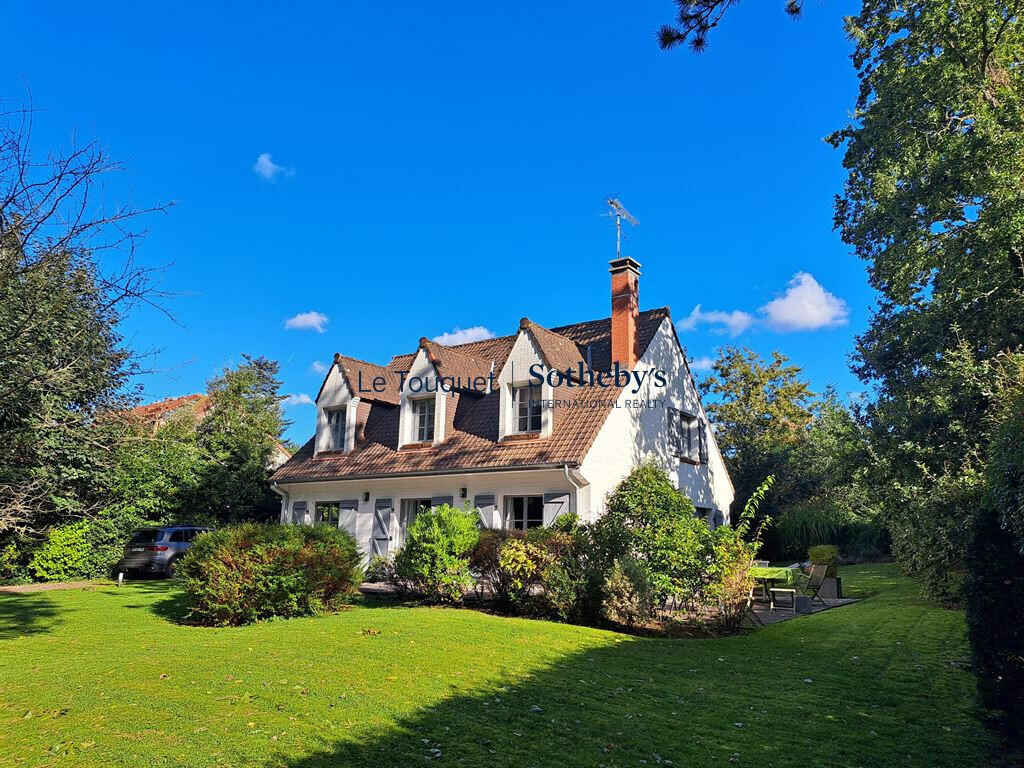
[
  {"x": 423, "y": 420},
  {"x": 526, "y": 408},
  {"x": 336, "y": 429}
]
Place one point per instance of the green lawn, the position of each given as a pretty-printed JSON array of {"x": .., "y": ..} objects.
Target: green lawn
[{"x": 105, "y": 678}]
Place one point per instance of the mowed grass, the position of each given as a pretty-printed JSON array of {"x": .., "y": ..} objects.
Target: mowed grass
[{"x": 106, "y": 678}]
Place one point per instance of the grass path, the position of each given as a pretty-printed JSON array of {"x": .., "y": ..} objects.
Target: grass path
[{"x": 103, "y": 677}]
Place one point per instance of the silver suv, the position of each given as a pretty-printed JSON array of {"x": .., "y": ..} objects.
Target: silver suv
[{"x": 158, "y": 550}]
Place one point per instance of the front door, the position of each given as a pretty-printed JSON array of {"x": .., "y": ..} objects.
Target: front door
[{"x": 380, "y": 541}]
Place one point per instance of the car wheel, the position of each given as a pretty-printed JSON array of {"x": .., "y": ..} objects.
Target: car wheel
[{"x": 171, "y": 569}]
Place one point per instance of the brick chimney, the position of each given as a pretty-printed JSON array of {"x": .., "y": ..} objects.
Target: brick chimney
[{"x": 625, "y": 308}]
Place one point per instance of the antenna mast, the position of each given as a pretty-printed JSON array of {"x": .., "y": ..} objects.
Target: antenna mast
[{"x": 618, "y": 210}]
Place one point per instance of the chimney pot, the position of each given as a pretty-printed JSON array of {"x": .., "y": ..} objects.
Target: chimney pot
[{"x": 625, "y": 308}]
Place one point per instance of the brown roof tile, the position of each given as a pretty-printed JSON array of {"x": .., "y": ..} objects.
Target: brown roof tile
[
  {"x": 164, "y": 408},
  {"x": 557, "y": 350},
  {"x": 472, "y": 442},
  {"x": 456, "y": 363},
  {"x": 359, "y": 371}
]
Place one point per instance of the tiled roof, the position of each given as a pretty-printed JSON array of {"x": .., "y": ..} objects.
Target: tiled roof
[
  {"x": 356, "y": 371},
  {"x": 158, "y": 410},
  {"x": 472, "y": 442},
  {"x": 456, "y": 363},
  {"x": 558, "y": 350}
]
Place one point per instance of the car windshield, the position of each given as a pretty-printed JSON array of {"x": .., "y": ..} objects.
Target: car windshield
[{"x": 147, "y": 536}]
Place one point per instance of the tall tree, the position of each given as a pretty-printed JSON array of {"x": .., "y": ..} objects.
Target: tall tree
[
  {"x": 61, "y": 359},
  {"x": 237, "y": 438},
  {"x": 935, "y": 205},
  {"x": 761, "y": 410}
]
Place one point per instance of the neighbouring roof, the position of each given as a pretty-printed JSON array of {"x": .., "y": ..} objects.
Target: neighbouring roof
[
  {"x": 162, "y": 409},
  {"x": 159, "y": 412},
  {"x": 471, "y": 440}
]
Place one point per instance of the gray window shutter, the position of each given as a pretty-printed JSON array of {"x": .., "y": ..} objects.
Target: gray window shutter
[
  {"x": 380, "y": 540},
  {"x": 555, "y": 503},
  {"x": 347, "y": 517},
  {"x": 484, "y": 504},
  {"x": 298, "y": 513},
  {"x": 437, "y": 501}
]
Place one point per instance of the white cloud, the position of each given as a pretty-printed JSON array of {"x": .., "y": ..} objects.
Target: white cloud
[
  {"x": 307, "y": 321},
  {"x": 317, "y": 367},
  {"x": 734, "y": 323},
  {"x": 805, "y": 306},
  {"x": 298, "y": 399},
  {"x": 702, "y": 363},
  {"x": 464, "y": 335},
  {"x": 266, "y": 168}
]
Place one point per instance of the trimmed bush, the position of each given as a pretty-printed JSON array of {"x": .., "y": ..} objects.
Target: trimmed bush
[
  {"x": 434, "y": 560},
  {"x": 825, "y": 554},
  {"x": 249, "y": 572}
]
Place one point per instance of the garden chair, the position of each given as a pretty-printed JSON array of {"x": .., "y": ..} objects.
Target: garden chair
[
  {"x": 760, "y": 590},
  {"x": 750, "y": 612},
  {"x": 811, "y": 589}
]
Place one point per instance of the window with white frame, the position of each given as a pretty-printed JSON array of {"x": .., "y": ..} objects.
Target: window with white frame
[
  {"x": 687, "y": 436},
  {"x": 336, "y": 429},
  {"x": 523, "y": 512},
  {"x": 526, "y": 409},
  {"x": 423, "y": 420}
]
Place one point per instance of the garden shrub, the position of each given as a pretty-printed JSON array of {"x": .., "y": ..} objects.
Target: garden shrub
[
  {"x": 995, "y": 615},
  {"x": 994, "y": 588},
  {"x": 825, "y": 554},
  {"x": 844, "y": 517},
  {"x": 630, "y": 594},
  {"x": 1006, "y": 467},
  {"x": 649, "y": 520},
  {"x": 13, "y": 568},
  {"x": 87, "y": 549},
  {"x": 520, "y": 564},
  {"x": 729, "y": 580},
  {"x": 929, "y": 530},
  {"x": 733, "y": 551},
  {"x": 249, "y": 572},
  {"x": 510, "y": 563},
  {"x": 376, "y": 569},
  {"x": 572, "y": 581},
  {"x": 435, "y": 557}
]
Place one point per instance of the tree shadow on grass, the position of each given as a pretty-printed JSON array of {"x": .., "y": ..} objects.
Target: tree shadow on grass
[
  {"x": 172, "y": 607},
  {"x": 656, "y": 702},
  {"x": 26, "y": 614}
]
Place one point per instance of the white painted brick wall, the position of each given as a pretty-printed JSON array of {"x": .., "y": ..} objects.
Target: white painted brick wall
[{"x": 630, "y": 435}]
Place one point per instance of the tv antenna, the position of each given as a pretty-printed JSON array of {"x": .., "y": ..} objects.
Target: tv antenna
[{"x": 618, "y": 210}]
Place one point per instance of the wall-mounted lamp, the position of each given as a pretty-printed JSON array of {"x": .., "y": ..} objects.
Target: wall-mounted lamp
[
  {"x": 366, "y": 495},
  {"x": 462, "y": 493}
]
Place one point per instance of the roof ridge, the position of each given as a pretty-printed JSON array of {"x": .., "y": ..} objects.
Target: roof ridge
[
  {"x": 448, "y": 348},
  {"x": 554, "y": 329},
  {"x": 357, "y": 360}
]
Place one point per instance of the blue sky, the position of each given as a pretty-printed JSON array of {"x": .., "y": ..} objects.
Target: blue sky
[{"x": 427, "y": 168}]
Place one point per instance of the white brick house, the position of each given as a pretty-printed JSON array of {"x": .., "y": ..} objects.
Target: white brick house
[{"x": 472, "y": 424}]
